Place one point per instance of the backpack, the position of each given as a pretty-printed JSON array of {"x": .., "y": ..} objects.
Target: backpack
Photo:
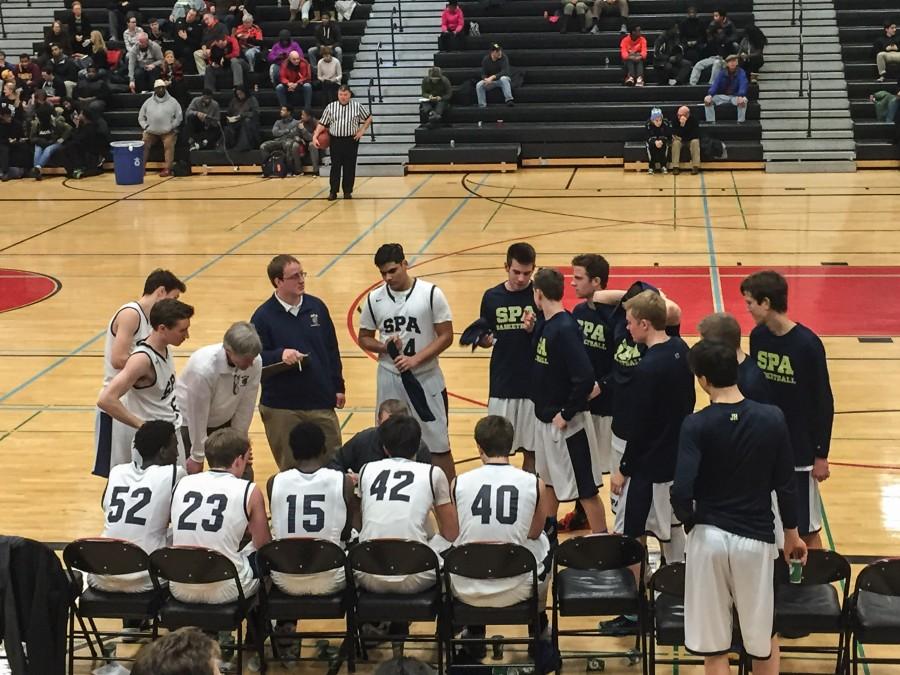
[
  {"x": 275, "y": 166},
  {"x": 712, "y": 148}
]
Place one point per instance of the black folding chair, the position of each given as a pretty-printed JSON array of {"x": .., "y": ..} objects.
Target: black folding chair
[
  {"x": 597, "y": 582},
  {"x": 111, "y": 557},
  {"x": 397, "y": 557},
  {"x": 305, "y": 556},
  {"x": 197, "y": 565},
  {"x": 813, "y": 605},
  {"x": 486, "y": 561},
  {"x": 875, "y": 610}
]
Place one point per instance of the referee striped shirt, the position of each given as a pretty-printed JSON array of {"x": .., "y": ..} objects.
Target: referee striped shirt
[{"x": 344, "y": 120}]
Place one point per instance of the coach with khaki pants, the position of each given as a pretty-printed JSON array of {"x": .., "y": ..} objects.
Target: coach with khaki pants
[{"x": 302, "y": 377}]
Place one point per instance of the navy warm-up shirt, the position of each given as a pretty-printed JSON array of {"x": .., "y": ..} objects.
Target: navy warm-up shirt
[
  {"x": 752, "y": 382},
  {"x": 797, "y": 372},
  {"x": 661, "y": 394},
  {"x": 513, "y": 351},
  {"x": 598, "y": 342},
  {"x": 561, "y": 376},
  {"x": 730, "y": 458}
]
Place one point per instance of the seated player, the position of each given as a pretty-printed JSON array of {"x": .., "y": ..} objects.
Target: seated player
[
  {"x": 214, "y": 509},
  {"x": 137, "y": 501}
]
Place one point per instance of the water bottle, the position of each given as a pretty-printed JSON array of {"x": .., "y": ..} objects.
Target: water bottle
[
  {"x": 606, "y": 61},
  {"x": 452, "y": 143},
  {"x": 479, "y": 124}
]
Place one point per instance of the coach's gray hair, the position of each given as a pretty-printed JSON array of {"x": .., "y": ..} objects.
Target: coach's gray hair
[{"x": 242, "y": 339}]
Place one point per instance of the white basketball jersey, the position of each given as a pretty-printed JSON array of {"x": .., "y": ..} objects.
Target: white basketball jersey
[
  {"x": 495, "y": 502},
  {"x": 410, "y": 315},
  {"x": 397, "y": 496},
  {"x": 143, "y": 331},
  {"x": 155, "y": 401},
  {"x": 308, "y": 504}
]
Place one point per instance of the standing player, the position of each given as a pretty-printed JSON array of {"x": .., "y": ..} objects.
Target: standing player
[
  {"x": 724, "y": 328},
  {"x": 793, "y": 360},
  {"x": 145, "y": 388},
  {"x": 413, "y": 318},
  {"x": 562, "y": 379},
  {"x": 128, "y": 326},
  {"x": 731, "y": 456},
  {"x": 508, "y": 309}
]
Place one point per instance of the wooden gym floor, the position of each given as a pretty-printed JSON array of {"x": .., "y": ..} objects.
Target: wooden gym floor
[{"x": 99, "y": 240}]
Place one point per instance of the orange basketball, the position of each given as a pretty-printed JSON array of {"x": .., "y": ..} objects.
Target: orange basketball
[{"x": 323, "y": 140}]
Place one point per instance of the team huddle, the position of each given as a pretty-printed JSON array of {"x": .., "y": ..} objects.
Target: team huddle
[{"x": 606, "y": 388}]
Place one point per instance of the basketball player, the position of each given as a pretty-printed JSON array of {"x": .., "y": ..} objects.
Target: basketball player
[
  {"x": 793, "y": 360},
  {"x": 413, "y": 314},
  {"x": 214, "y": 510},
  {"x": 145, "y": 388},
  {"x": 724, "y": 328},
  {"x": 562, "y": 380},
  {"x": 129, "y": 325},
  {"x": 731, "y": 456},
  {"x": 218, "y": 388},
  {"x": 137, "y": 501},
  {"x": 508, "y": 309}
]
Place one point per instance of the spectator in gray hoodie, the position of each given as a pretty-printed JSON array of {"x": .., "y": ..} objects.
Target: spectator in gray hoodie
[
  {"x": 160, "y": 118},
  {"x": 144, "y": 62},
  {"x": 285, "y": 138},
  {"x": 202, "y": 120}
]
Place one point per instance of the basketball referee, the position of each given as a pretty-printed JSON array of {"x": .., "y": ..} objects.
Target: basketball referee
[{"x": 346, "y": 121}]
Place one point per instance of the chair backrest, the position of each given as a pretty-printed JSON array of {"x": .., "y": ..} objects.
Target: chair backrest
[
  {"x": 669, "y": 580},
  {"x": 882, "y": 577},
  {"x": 484, "y": 560},
  {"x": 105, "y": 556},
  {"x": 301, "y": 555},
  {"x": 392, "y": 557},
  {"x": 600, "y": 552},
  {"x": 822, "y": 567},
  {"x": 193, "y": 565}
]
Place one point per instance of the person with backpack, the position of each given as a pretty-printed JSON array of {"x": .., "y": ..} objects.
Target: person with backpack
[
  {"x": 287, "y": 140},
  {"x": 48, "y": 132}
]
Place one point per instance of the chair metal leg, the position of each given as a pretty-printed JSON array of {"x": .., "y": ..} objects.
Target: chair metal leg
[
  {"x": 854, "y": 656},
  {"x": 259, "y": 636},
  {"x": 71, "y": 658},
  {"x": 96, "y": 637},
  {"x": 240, "y": 648},
  {"x": 439, "y": 642}
]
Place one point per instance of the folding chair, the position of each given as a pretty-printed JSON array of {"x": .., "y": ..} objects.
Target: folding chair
[
  {"x": 112, "y": 557},
  {"x": 597, "y": 582},
  {"x": 485, "y": 561},
  {"x": 875, "y": 610},
  {"x": 397, "y": 557},
  {"x": 197, "y": 565},
  {"x": 305, "y": 556}
]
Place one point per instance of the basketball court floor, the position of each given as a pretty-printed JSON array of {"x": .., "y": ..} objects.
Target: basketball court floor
[{"x": 72, "y": 251}]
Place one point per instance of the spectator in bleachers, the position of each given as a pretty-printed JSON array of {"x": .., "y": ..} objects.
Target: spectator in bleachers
[
  {"x": 181, "y": 8},
  {"x": 328, "y": 34},
  {"x": 213, "y": 31},
  {"x": 3, "y": 64},
  {"x": 172, "y": 72},
  {"x": 188, "y": 36},
  {"x": 720, "y": 21},
  {"x": 718, "y": 45},
  {"x": 294, "y": 81},
  {"x": 750, "y": 51},
  {"x": 57, "y": 35},
  {"x": 308, "y": 124},
  {"x": 685, "y": 129},
  {"x": 79, "y": 29},
  {"x": 249, "y": 37},
  {"x": 729, "y": 87},
  {"x": 48, "y": 132},
  {"x": 159, "y": 36},
  {"x": 453, "y": 23},
  {"x": 14, "y": 148},
  {"x": 494, "y": 73},
  {"x": 225, "y": 55},
  {"x": 84, "y": 154},
  {"x": 578, "y": 8},
  {"x": 602, "y": 7},
  {"x": 12, "y": 97},
  {"x": 279, "y": 53},
  {"x": 693, "y": 34},
  {"x": 886, "y": 48},
  {"x": 144, "y": 64},
  {"x": 132, "y": 33},
  {"x": 51, "y": 84},
  {"x": 92, "y": 90},
  {"x": 659, "y": 138},
  {"x": 435, "y": 101},
  {"x": 287, "y": 139},
  {"x": 28, "y": 75},
  {"x": 160, "y": 118},
  {"x": 886, "y": 105},
  {"x": 118, "y": 14},
  {"x": 330, "y": 74},
  {"x": 242, "y": 121},
  {"x": 238, "y": 10},
  {"x": 668, "y": 58},
  {"x": 65, "y": 67},
  {"x": 98, "y": 54},
  {"x": 202, "y": 121},
  {"x": 633, "y": 50},
  {"x": 302, "y": 7}
]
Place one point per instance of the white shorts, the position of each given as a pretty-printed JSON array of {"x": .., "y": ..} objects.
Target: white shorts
[
  {"x": 410, "y": 583},
  {"x": 220, "y": 592},
  {"x": 113, "y": 443},
  {"x": 520, "y": 413},
  {"x": 321, "y": 583},
  {"x": 564, "y": 459},
  {"x": 138, "y": 582},
  {"x": 603, "y": 437},
  {"x": 809, "y": 503},
  {"x": 724, "y": 571},
  {"x": 434, "y": 434},
  {"x": 511, "y": 590}
]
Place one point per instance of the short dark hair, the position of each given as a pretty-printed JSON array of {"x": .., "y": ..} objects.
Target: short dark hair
[
  {"x": 522, "y": 252},
  {"x": 47, "y": 70},
  {"x": 400, "y": 435},
  {"x": 168, "y": 312},
  {"x": 166, "y": 279},
  {"x": 307, "y": 441},
  {"x": 494, "y": 435},
  {"x": 595, "y": 265},
  {"x": 153, "y": 436},
  {"x": 223, "y": 446},
  {"x": 767, "y": 285},
  {"x": 715, "y": 361},
  {"x": 345, "y": 87},
  {"x": 888, "y": 22},
  {"x": 389, "y": 253},
  {"x": 186, "y": 650},
  {"x": 721, "y": 12},
  {"x": 721, "y": 327},
  {"x": 550, "y": 282},
  {"x": 277, "y": 264},
  {"x": 24, "y": 55}
]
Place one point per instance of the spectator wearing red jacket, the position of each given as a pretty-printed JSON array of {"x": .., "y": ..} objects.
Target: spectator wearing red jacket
[
  {"x": 453, "y": 24},
  {"x": 249, "y": 37},
  {"x": 633, "y": 49},
  {"x": 224, "y": 54},
  {"x": 295, "y": 77}
]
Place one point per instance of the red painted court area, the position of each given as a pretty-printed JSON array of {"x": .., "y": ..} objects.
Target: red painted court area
[
  {"x": 19, "y": 288},
  {"x": 831, "y": 300}
]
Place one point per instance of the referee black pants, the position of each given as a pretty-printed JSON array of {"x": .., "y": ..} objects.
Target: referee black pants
[{"x": 343, "y": 163}]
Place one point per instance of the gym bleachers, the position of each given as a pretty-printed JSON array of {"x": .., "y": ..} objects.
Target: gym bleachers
[
  {"x": 860, "y": 23},
  {"x": 572, "y": 102}
]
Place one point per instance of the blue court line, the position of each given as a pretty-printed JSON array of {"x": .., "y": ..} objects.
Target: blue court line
[
  {"x": 714, "y": 280},
  {"x": 362, "y": 235},
  {"x": 80, "y": 348}
]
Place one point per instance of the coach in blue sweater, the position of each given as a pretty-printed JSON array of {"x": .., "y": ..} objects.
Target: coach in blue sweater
[{"x": 306, "y": 382}]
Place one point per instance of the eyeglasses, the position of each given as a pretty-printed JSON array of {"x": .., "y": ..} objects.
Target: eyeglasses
[{"x": 295, "y": 277}]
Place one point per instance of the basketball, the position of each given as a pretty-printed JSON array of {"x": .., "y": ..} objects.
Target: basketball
[{"x": 323, "y": 140}]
